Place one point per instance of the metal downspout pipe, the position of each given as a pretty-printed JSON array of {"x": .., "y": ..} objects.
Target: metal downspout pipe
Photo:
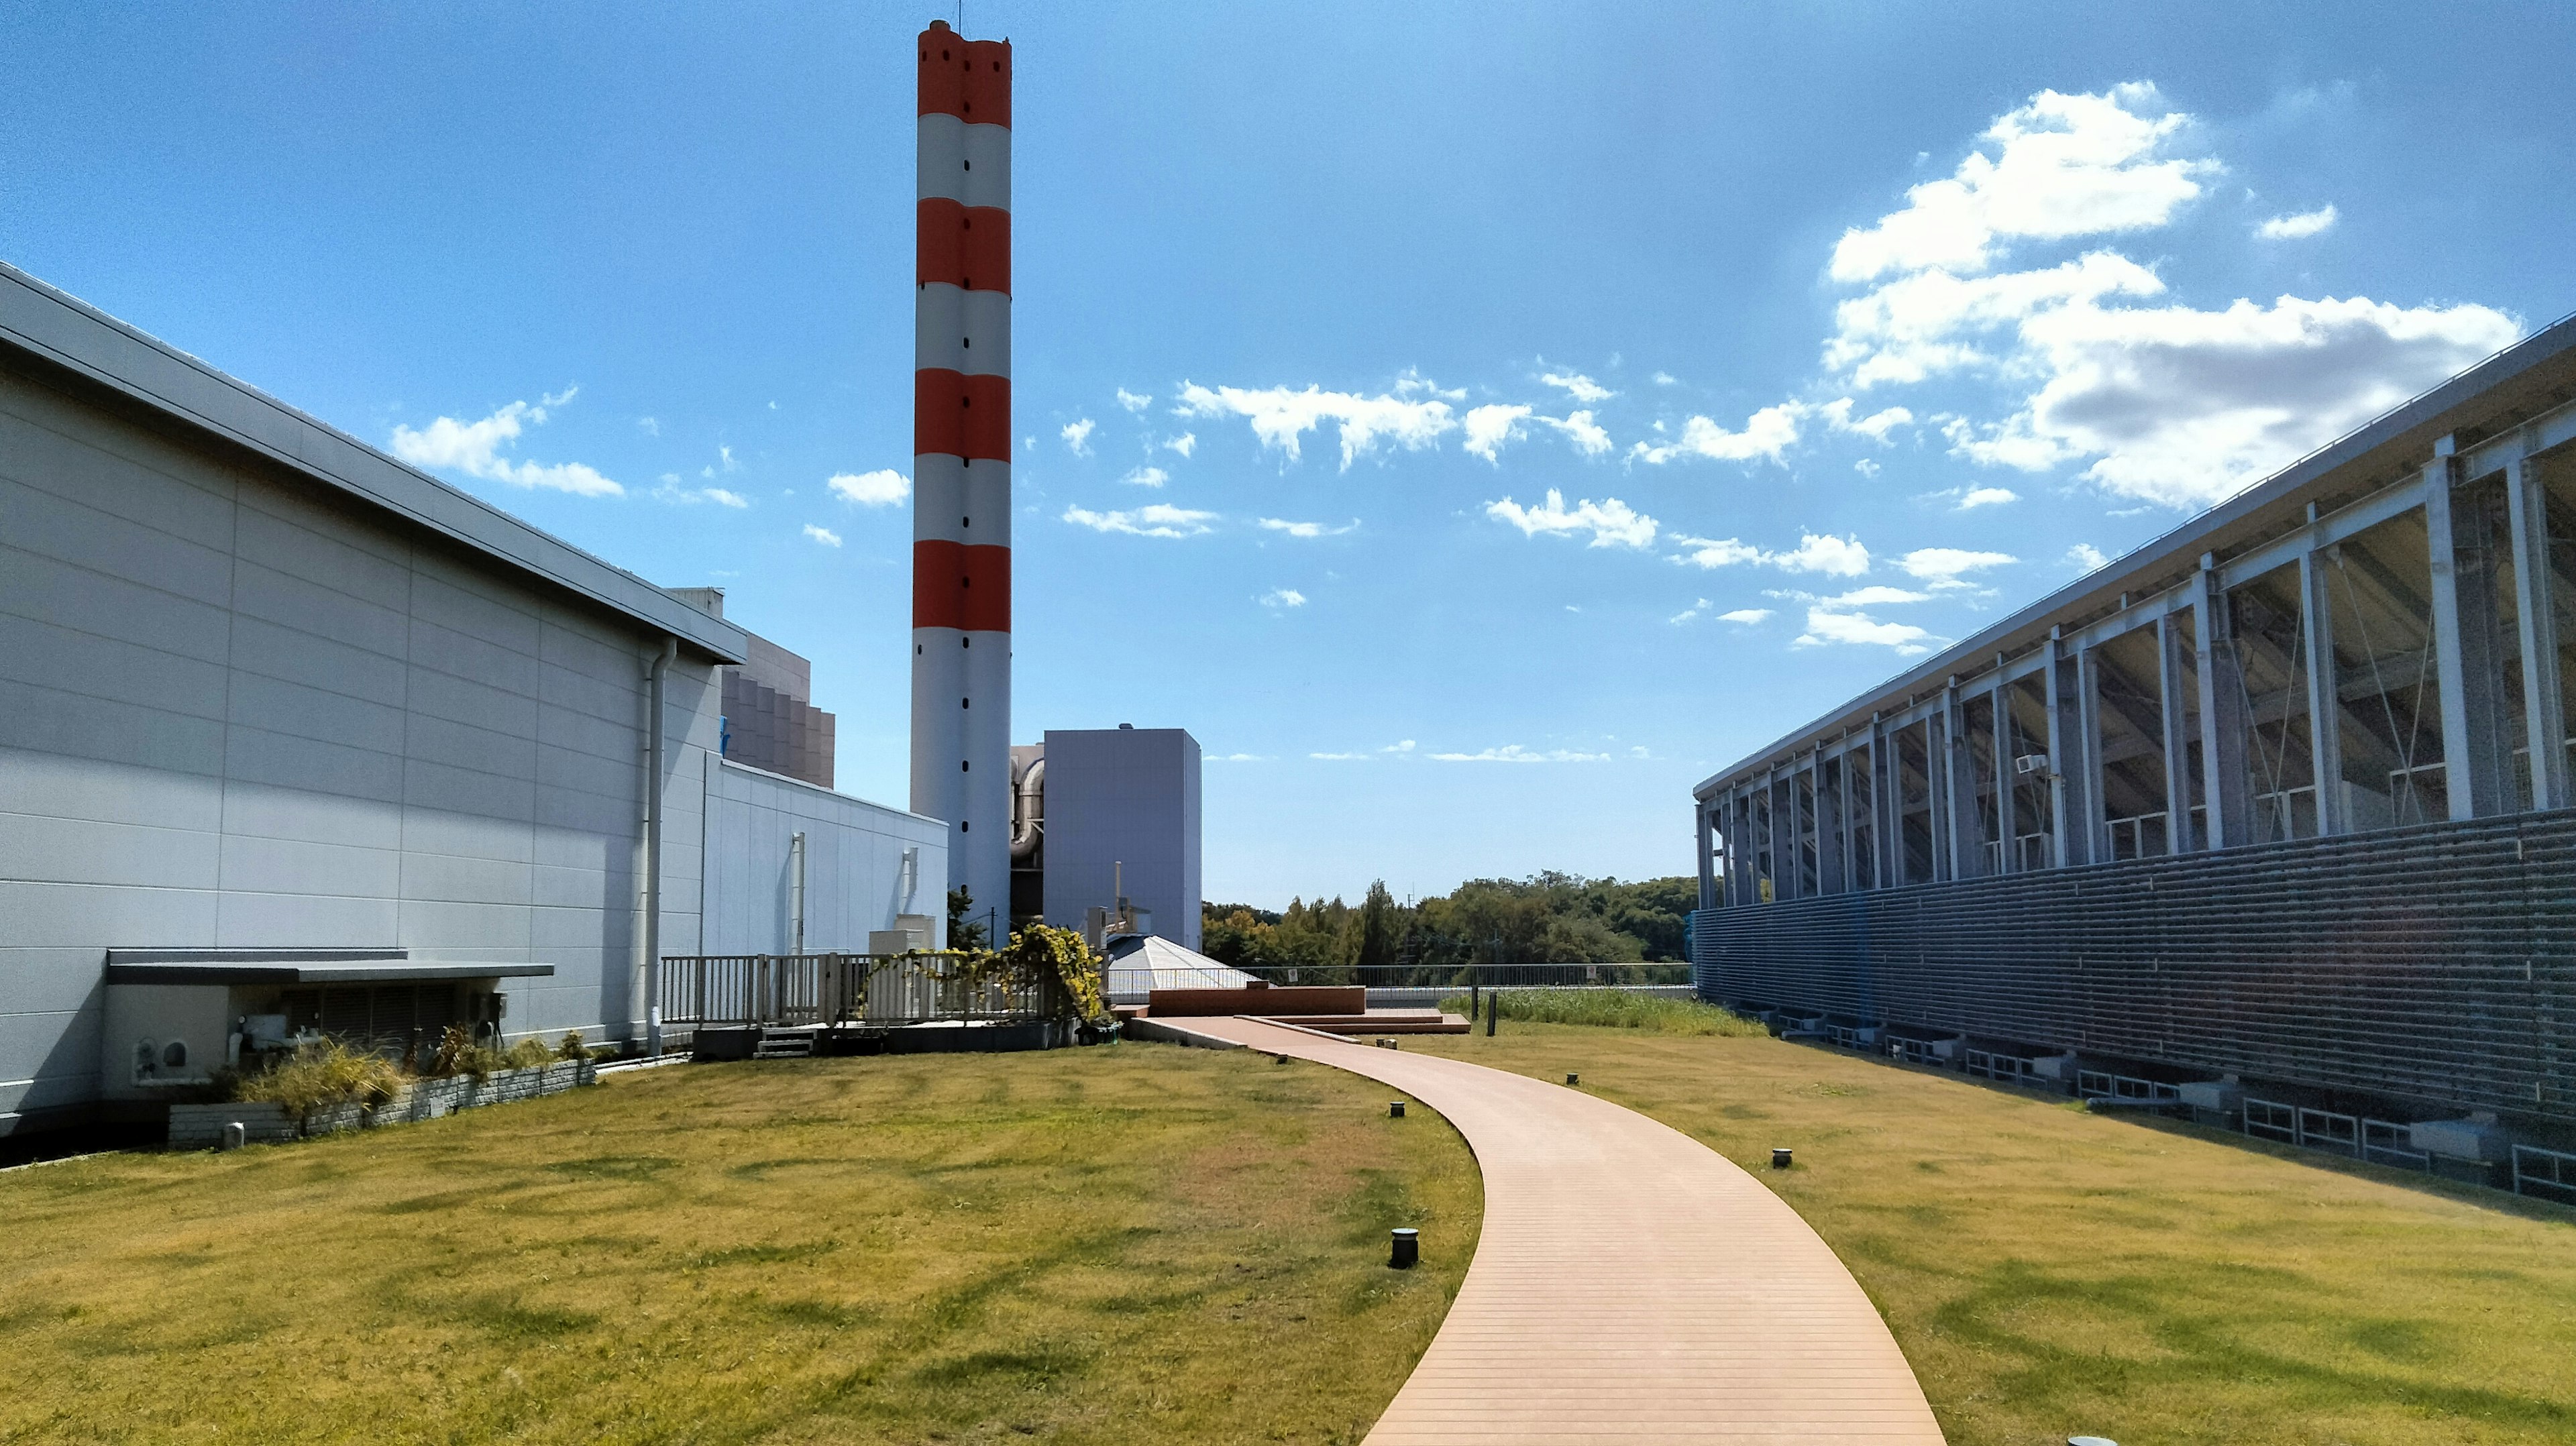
[{"x": 654, "y": 675}]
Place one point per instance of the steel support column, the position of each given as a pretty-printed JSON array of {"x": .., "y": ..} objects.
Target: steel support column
[
  {"x": 2070, "y": 806},
  {"x": 2226, "y": 723},
  {"x": 1700, "y": 817},
  {"x": 2325, "y": 703},
  {"x": 1850, "y": 854},
  {"x": 1887, "y": 826},
  {"x": 2536, "y": 619},
  {"x": 2177, "y": 739},
  {"x": 1831, "y": 841},
  {"x": 1967, "y": 821},
  {"x": 2467, "y": 643},
  {"x": 2007, "y": 823}
]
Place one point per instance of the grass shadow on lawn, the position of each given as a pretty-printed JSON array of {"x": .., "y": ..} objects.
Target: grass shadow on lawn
[{"x": 1132, "y": 1243}]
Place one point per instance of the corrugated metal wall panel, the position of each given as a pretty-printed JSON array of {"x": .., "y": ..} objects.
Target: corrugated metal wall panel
[{"x": 2435, "y": 962}]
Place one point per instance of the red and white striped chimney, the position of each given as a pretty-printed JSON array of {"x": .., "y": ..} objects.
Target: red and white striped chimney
[{"x": 961, "y": 466}]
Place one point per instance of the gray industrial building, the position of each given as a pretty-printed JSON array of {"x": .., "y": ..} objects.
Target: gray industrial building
[
  {"x": 291, "y": 730},
  {"x": 770, "y": 721},
  {"x": 1110, "y": 814},
  {"x": 2282, "y": 796}
]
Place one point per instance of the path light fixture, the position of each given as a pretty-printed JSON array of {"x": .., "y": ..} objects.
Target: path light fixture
[
  {"x": 1779, "y": 1157},
  {"x": 1395, "y": 1109},
  {"x": 1405, "y": 1250},
  {"x": 1572, "y": 1078}
]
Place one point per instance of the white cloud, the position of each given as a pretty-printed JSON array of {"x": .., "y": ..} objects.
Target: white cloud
[
  {"x": 1238, "y": 758},
  {"x": 1414, "y": 415},
  {"x": 1611, "y": 522},
  {"x": 725, "y": 456},
  {"x": 1986, "y": 497},
  {"x": 1945, "y": 567},
  {"x": 2186, "y": 407},
  {"x": 884, "y": 487},
  {"x": 1403, "y": 745},
  {"x": 1578, "y": 386},
  {"x": 2158, "y": 401},
  {"x": 2064, "y": 165},
  {"x": 1157, "y": 520},
  {"x": 1826, "y": 625},
  {"x": 1688, "y": 613},
  {"x": 1341, "y": 757},
  {"x": 1147, "y": 477},
  {"x": 1665, "y": 379},
  {"x": 1579, "y": 428},
  {"x": 1134, "y": 401},
  {"x": 1488, "y": 428},
  {"x": 1865, "y": 467},
  {"x": 1875, "y": 595},
  {"x": 652, "y": 425},
  {"x": 1077, "y": 435},
  {"x": 823, "y": 535},
  {"x": 672, "y": 491},
  {"x": 1716, "y": 552},
  {"x": 1767, "y": 433},
  {"x": 1306, "y": 529},
  {"x": 2086, "y": 556},
  {"x": 1833, "y": 556},
  {"x": 1875, "y": 426},
  {"x": 1745, "y": 616},
  {"x": 1185, "y": 444},
  {"x": 1515, "y": 753},
  {"x": 1282, "y": 597},
  {"x": 474, "y": 448},
  {"x": 2298, "y": 227}
]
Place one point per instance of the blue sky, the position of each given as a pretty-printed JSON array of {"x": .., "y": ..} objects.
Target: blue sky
[{"x": 1475, "y": 424}]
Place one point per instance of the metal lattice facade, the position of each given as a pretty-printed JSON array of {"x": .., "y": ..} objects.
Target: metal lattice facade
[{"x": 2436, "y": 962}]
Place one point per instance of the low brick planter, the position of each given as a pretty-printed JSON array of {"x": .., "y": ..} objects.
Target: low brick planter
[{"x": 201, "y": 1127}]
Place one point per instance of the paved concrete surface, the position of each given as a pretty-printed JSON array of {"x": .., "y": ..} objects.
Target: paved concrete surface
[{"x": 1631, "y": 1284}]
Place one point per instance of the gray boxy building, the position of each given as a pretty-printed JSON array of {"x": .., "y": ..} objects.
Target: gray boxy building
[
  {"x": 294, "y": 737},
  {"x": 2277, "y": 803},
  {"x": 1122, "y": 814}
]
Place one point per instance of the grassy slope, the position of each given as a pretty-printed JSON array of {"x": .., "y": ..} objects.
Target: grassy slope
[
  {"x": 1131, "y": 1244},
  {"x": 2050, "y": 1272}
]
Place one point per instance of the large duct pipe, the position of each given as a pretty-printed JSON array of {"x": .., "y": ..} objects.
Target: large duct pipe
[
  {"x": 1028, "y": 810},
  {"x": 961, "y": 467}
]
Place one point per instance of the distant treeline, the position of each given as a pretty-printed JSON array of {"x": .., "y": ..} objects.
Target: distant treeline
[{"x": 1548, "y": 918}]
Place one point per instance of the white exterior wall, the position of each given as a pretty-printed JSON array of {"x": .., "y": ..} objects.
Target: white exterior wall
[
  {"x": 236, "y": 712},
  {"x": 854, "y": 876}
]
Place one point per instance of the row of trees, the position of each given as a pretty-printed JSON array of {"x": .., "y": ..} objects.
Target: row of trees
[{"x": 1548, "y": 918}]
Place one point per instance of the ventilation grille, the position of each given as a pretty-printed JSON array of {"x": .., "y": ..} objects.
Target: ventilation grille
[{"x": 2436, "y": 962}]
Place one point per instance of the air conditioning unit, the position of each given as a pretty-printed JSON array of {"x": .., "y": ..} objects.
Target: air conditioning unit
[{"x": 2031, "y": 765}]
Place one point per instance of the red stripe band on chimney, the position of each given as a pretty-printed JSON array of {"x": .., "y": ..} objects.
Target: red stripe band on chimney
[
  {"x": 967, "y": 246},
  {"x": 964, "y": 416},
  {"x": 962, "y": 587},
  {"x": 969, "y": 79}
]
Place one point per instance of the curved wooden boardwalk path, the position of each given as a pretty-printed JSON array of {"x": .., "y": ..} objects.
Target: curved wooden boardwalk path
[{"x": 1631, "y": 1284}]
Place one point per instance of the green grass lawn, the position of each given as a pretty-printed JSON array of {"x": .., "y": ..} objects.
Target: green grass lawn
[
  {"x": 2050, "y": 1272},
  {"x": 1125, "y": 1244}
]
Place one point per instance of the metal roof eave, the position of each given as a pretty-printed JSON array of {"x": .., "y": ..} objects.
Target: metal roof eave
[
  {"x": 69, "y": 333},
  {"x": 2507, "y": 380}
]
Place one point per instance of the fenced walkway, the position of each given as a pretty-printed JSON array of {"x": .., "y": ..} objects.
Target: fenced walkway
[{"x": 1631, "y": 1284}]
